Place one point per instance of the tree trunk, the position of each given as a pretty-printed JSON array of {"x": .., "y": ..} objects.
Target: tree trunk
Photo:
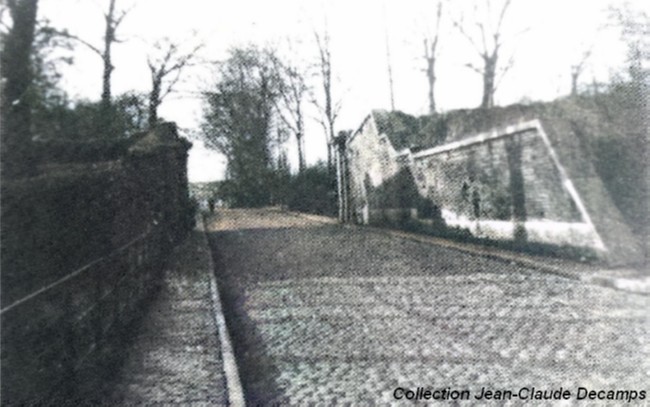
[
  {"x": 330, "y": 116},
  {"x": 299, "y": 136},
  {"x": 301, "y": 153},
  {"x": 109, "y": 38},
  {"x": 154, "y": 101},
  {"x": 106, "y": 77},
  {"x": 106, "y": 112},
  {"x": 431, "y": 76},
  {"x": 330, "y": 144},
  {"x": 390, "y": 74},
  {"x": 16, "y": 68},
  {"x": 489, "y": 75}
]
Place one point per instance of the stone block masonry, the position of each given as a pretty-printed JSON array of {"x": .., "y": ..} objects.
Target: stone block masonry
[
  {"x": 505, "y": 185},
  {"x": 527, "y": 182},
  {"x": 82, "y": 248}
]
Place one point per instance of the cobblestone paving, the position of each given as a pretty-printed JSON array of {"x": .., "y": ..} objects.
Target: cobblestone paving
[
  {"x": 174, "y": 358},
  {"x": 325, "y": 313}
]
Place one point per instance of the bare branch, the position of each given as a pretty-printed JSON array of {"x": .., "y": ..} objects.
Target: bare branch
[
  {"x": 320, "y": 119},
  {"x": 184, "y": 60},
  {"x": 314, "y": 101},
  {"x": 166, "y": 71},
  {"x": 430, "y": 48},
  {"x": 580, "y": 65},
  {"x": 576, "y": 71},
  {"x": 474, "y": 68},
  {"x": 504, "y": 71},
  {"x": 337, "y": 109},
  {"x": 66, "y": 34},
  {"x": 120, "y": 18},
  {"x": 331, "y": 108},
  {"x": 490, "y": 38},
  {"x": 483, "y": 39},
  {"x": 506, "y": 5},
  {"x": 289, "y": 122},
  {"x": 434, "y": 45},
  {"x": 170, "y": 86},
  {"x": 468, "y": 37}
]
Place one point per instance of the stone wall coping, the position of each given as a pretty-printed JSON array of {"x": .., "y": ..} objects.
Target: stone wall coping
[
  {"x": 480, "y": 138},
  {"x": 164, "y": 135}
]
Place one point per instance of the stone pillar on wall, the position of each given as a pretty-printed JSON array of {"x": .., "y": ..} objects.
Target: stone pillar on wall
[
  {"x": 342, "y": 176},
  {"x": 159, "y": 161}
]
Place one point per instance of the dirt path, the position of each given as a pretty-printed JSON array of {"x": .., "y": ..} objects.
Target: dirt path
[{"x": 270, "y": 218}]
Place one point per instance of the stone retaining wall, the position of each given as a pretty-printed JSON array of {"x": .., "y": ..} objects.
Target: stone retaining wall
[
  {"x": 82, "y": 246},
  {"x": 527, "y": 182}
]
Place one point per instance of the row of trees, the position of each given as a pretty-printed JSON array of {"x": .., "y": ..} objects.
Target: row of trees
[
  {"x": 259, "y": 97},
  {"x": 256, "y": 103},
  {"x": 483, "y": 31},
  {"x": 35, "y": 107},
  {"x": 279, "y": 89}
]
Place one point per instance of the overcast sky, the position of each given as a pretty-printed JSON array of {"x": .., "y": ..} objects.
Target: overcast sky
[{"x": 545, "y": 36}]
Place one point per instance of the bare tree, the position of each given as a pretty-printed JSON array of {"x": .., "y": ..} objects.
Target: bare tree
[
  {"x": 291, "y": 89},
  {"x": 487, "y": 42},
  {"x": 166, "y": 69},
  {"x": 329, "y": 108},
  {"x": 113, "y": 20},
  {"x": 576, "y": 71},
  {"x": 112, "y": 23},
  {"x": 430, "y": 48}
]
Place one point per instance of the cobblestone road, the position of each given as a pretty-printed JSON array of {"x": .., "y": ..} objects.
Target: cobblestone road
[{"x": 325, "y": 313}]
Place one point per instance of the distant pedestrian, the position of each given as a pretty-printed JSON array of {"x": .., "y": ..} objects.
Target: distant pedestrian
[
  {"x": 211, "y": 205},
  {"x": 476, "y": 203}
]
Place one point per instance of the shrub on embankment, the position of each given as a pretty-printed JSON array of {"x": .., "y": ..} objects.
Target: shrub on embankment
[{"x": 313, "y": 190}]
